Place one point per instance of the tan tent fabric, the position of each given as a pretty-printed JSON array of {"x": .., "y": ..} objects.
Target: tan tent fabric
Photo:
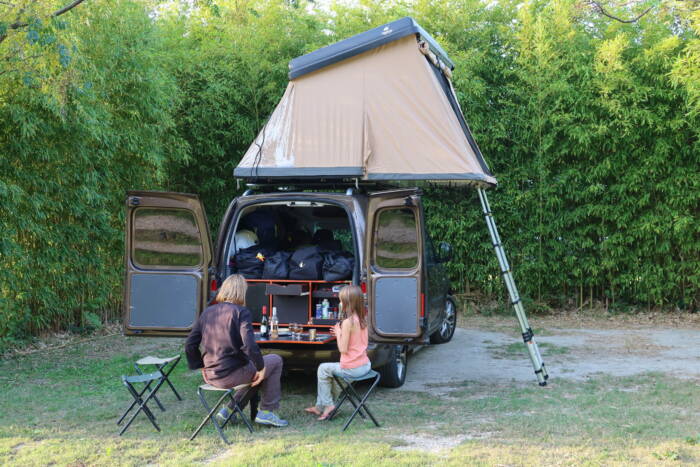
[{"x": 380, "y": 115}]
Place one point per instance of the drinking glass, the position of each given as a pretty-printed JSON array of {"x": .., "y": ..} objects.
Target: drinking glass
[{"x": 296, "y": 329}]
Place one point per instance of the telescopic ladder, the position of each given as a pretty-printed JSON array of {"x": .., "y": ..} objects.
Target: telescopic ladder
[{"x": 528, "y": 335}]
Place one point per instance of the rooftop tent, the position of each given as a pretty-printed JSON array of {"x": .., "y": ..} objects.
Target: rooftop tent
[{"x": 378, "y": 106}]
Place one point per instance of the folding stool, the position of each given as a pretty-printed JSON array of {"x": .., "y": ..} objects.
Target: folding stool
[
  {"x": 164, "y": 366},
  {"x": 347, "y": 386},
  {"x": 249, "y": 395},
  {"x": 146, "y": 379}
]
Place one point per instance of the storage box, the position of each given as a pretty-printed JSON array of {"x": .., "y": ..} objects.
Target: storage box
[
  {"x": 255, "y": 299},
  {"x": 291, "y": 309}
]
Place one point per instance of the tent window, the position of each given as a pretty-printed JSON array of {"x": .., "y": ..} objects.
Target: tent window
[
  {"x": 166, "y": 237},
  {"x": 396, "y": 239}
]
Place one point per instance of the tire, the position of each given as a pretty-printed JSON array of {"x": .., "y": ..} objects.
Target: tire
[
  {"x": 449, "y": 323},
  {"x": 393, "y": 373}
]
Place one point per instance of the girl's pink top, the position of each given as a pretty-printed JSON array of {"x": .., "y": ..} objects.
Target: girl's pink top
[{"x": 357, "y": 347}]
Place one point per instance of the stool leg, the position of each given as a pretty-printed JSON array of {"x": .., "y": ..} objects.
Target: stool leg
[
  {"x": 166, "y": 375},
  {"x": 346, "y": 395},
  {"x": 139, "y": 371},
  {"x": 237, "y": 409},
  {"x": 142, "y": 406},
  {"x": 363, "y": 402},
  {"x": 254, "y": 401},
  {"x": 210, "y": 415}
]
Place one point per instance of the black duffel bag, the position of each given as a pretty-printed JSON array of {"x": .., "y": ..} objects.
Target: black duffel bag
[
  {"x": 338, "y": 265},
  {"x": 306, "y": 264},
  {"x": 277, "y": 266},
  {"x": 249, "y": 262}
]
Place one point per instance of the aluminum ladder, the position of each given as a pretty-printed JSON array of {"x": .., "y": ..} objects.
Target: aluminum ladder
[{"x": 528, "y": 335}]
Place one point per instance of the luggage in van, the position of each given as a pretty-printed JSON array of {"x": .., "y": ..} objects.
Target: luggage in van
[
  {"x": 337, "y": 265},
  {"x": 249, "y": 262},
  {"x": 277, "y": 266},
  {"x": 306, "y": 264}
]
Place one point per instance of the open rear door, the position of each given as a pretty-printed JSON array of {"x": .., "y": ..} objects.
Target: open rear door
[
  {"x": 394, "y": 266},
  {"x": 168, "y": 253}
]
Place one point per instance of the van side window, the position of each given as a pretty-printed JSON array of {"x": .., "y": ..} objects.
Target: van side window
[
  {"x": 396, "y": 239},
  {"x": 165, "y": 237}
]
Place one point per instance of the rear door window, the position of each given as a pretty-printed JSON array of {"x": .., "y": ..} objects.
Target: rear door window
[
  {"x": 396, "y": 239},
  {"x": 165, "y": 238}
]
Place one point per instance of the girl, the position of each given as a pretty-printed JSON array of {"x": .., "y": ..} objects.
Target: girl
[{"x": 351, "y": 336}]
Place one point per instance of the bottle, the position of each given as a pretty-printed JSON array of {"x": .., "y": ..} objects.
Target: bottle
[
  {"x": 325, "y": 306},
  {"x": 264, "y": 329},
  {"x": 274, "y": 324},
  {"x": 319, "y": 311}
]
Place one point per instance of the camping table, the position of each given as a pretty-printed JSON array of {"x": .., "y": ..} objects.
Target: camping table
[{"x": 286, "y": 338}]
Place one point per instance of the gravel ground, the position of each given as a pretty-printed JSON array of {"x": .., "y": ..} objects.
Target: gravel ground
[{"x": 490, "y": 356}]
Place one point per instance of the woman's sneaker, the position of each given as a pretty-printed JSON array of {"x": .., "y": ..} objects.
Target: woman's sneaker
[{"x": 266, "y": 417}]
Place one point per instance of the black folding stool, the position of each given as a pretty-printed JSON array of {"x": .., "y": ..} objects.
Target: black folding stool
[
  {"x": 147, "y": 380},
  {"x": 165, "y": 366},
  {"x": 250, "y": 394},
  {"x": 347, "y": 385}
]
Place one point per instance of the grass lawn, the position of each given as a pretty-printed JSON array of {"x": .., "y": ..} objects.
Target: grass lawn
[{"x": 60, "y": 407}]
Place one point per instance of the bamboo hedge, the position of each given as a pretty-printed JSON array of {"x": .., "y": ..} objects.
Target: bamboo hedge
[{"x": 590, "y": 125}]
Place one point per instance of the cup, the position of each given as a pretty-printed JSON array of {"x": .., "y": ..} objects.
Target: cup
[{"x": 312, "y": 334}]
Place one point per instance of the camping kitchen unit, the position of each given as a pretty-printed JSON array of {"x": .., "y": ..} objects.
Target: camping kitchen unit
[{"x": 328, "y": 203}]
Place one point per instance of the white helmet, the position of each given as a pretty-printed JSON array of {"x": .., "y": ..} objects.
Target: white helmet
[{"x": 244, "y": 239}]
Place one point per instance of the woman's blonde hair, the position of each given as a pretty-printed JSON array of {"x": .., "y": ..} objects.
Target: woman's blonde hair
[
  {"x": 353, "y": 301},
  {"x": 233, "y": 290}
]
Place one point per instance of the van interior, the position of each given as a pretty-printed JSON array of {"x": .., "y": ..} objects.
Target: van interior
[{"x": 295, "y": 233}]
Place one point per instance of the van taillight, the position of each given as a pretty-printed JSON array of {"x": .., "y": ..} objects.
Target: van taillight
[
  {"x": 363, "y": 286},
  {"x": 422, "y": 305},
  {"x": 213, "y": 286}
]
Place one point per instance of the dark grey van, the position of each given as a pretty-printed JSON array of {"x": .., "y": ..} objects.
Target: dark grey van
[{"x": 173, "y": 270}]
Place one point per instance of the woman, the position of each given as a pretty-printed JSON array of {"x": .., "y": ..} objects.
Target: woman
[
  {"x": 351, "y": 336},
  {"x": 230, "y": 355}
]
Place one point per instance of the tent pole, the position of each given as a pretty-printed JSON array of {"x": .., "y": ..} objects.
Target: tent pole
[{"x": 528, "y": 335}]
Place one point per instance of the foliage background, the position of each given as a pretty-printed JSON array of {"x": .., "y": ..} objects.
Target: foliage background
[{"x": 591, "y": 126}]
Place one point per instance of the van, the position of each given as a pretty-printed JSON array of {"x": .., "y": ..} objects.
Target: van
[
  {"x": 359, "y": 119},
  {"x": 173, "y": 270}
]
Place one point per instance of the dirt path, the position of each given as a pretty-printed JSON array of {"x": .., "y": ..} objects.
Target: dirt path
[{"x": 475, "y": 354}]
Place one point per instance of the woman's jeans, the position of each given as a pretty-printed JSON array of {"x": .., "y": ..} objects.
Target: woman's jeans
[{"x": 328, "y": 389}]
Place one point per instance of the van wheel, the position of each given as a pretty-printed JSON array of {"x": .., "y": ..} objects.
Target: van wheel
[
  {"x": 393, "y": 373},
  {"x": 448, "y": 325}
]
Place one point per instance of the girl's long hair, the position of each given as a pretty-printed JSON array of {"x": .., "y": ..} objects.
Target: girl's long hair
[{"x": 353, "y": 301}]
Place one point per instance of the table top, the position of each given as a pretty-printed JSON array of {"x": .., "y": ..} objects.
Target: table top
[{"x": 286, "y": 338}]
